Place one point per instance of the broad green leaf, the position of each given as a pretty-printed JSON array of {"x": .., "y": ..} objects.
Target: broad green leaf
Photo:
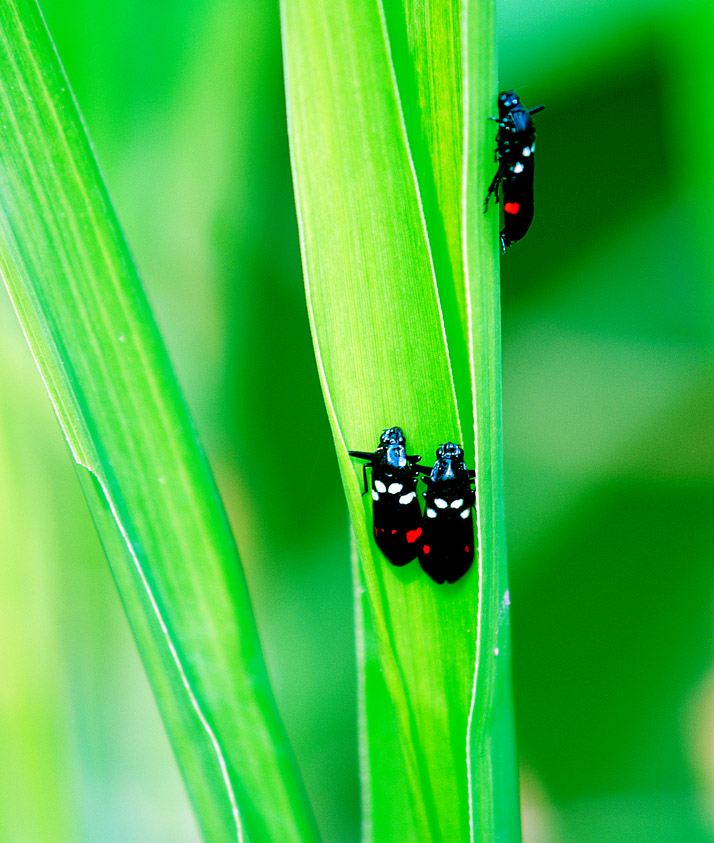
[
  {"x": 151, "y": 493},
  {"x": 383, "y": 106},
  {"x": 426, "y": 47}
]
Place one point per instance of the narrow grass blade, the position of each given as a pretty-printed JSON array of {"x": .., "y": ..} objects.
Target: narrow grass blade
[
  {"x": 150, "y": 491},
  {"x": 495, "y": 805},
  {"x": 387, "y": 109}
]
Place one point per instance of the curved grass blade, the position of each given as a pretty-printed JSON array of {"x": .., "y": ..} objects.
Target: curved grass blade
[
  {"x": 426, "y": 47},
  {"x": 150, "y": 491},
  {"x": 379, "y": 102}
]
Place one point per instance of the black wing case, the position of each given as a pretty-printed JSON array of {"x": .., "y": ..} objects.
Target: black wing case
[
  {"x": 396, "y": 514},
  {"x": 517, "y": 205},
  {"x": 447, "y": 549}
]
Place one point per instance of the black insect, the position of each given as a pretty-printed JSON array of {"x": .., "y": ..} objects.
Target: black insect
[
  {"x": 515, "y": 151},
  {"x": 395, "y": 509},
  {"x": 446, "y": 548}
]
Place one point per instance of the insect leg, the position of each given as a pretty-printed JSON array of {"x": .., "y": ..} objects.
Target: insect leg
[
  {"x": 364, "y": 477},
  {"x": 362, "y": 455},
  {"x": 493, "y": 187}
]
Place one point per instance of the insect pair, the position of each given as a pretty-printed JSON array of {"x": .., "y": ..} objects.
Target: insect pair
[
  {"x": 515, "y": 153},
  {"x": 443, "y": 538}
]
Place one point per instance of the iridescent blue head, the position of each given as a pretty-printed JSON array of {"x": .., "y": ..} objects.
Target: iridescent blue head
[
  {"x": 449, "y": 462},
  {"x": 392, "y": 436},
  {"x": 391, "y": 447}
]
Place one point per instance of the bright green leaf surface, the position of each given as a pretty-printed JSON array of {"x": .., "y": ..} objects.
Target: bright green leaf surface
[
  {"x": 378, "y": 135},
  {"x": 151, "y": 493},
  {"x": 492, "y": 747},
  {"x": 426, "y": 46}
]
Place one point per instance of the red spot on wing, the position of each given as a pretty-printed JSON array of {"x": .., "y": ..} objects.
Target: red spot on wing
[
  {"x": 394, "y": 532},
  {"x": 427, "y": 549},
  {"x": 512, "y": 207},
  {"x": 375, "y": 532},
  {"x": 413, "y": 535},
  {"x": 466, "y": 548}
]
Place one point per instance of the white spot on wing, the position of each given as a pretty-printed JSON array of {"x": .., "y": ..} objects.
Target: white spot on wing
[
  {"x": 379, "y": 486},
  {"x": 375, "y": 495},
  {"x": 465, "y": 513},
  {"x": 457, "y": 504},
  {"x": 430, "y": 513},
  {"x": 441, "y": 503},
  {"x": 407, "y": 498},
  {"x": 518, "y": 167},
  {"x": 526, "y": 152},
  {"x": 394, "y": 488}
]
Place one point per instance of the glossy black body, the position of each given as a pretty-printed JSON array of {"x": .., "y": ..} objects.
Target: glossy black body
[
  {"x": 446, "y": 549},
  {"x": 397, "y": 520},
  {"x": 515, "y": 154}
]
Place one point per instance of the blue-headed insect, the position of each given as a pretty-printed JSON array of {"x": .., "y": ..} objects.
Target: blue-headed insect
[
  {"x": 515, "y": 154},
  {"x": 446, "y": 547},
  {"x": 396, "y": 515}
]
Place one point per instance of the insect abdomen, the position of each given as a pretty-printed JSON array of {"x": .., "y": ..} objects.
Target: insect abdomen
[
  {"x": 447, "y": 547},
  {"x": 396, "y": 516}
]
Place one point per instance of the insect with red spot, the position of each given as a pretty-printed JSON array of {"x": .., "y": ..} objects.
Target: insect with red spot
[
  {"x": 446, "y": 549},
  {"x": 515, "y": 153},
  {"x": 396, "y": 513}
]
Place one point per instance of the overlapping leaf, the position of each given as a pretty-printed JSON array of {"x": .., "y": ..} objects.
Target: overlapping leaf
[{"x": 400, "y": 272}]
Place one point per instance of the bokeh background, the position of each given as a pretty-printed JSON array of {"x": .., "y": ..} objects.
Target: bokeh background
[{"x": 608, "y": 329}]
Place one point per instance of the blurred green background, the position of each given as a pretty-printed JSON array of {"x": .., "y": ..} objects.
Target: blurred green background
[{"x": 608, "y": 329}]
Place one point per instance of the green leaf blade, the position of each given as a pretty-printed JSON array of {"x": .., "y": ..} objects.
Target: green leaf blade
[
  {"x": 493, "y": 759},
  {"x": 409, "y": 76},
  {"x": 389, "y": 242},
  {"x": 380, "y": 343},
  {"x": 426, "y": 48},
  {"x": 151, "y": 493}
]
